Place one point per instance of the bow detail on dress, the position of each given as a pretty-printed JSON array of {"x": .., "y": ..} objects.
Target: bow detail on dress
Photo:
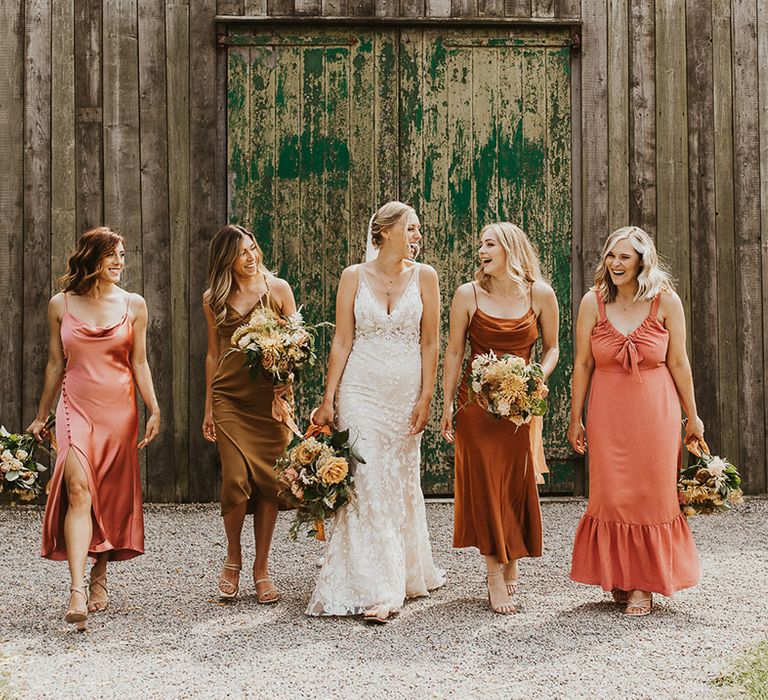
[{"x": 630, "y": 357}]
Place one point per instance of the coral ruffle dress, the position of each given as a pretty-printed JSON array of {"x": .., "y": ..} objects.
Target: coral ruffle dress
[
  {"x": 496, "y": 499},
  {"x": 97, "y": 419},
  {"x": 633, "y": 535}
]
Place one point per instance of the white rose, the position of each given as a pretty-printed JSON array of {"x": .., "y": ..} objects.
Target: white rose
[
  {"x": 6, "y": 456},
  {"x": 22, "y": 454}
]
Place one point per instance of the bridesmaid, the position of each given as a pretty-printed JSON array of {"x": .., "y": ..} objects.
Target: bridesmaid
[
  {"x": 238, "y": 409},
  {"x": 97, "y": 349},
  {"x": 630, "y": 341},
  {"x": 496, "y": 500}
]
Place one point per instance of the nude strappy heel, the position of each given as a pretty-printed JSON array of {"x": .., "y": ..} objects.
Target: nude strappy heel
[
  {"x": 503, "y": 606},
  {"x": 270, "y": 596},
  {"x": 643, "y": 606},
  {"x": 77, "y": 616},
  {"x": 98, "y": 605},
  {"x": 227, "y": 589}
]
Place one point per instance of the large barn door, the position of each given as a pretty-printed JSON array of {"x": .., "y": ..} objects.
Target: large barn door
[
  {"x": 485, "y": 135},
  {"x": 312, "y": 147},
  {"x": 470, "y": 127}
]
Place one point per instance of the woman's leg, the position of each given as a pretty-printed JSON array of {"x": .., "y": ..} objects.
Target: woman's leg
[
  {"x": 233, "y": 527},
  {"x": 264, "y": 519},
  {"x": 78, "y": 526},
  {"x": 510, "y": 576},
  {"x": 97, "y": 589},
  {"x": 497, "y": 590}
]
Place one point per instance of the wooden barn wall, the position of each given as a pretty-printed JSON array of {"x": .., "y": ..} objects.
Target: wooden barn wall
[{"x": 113, "y": 111}]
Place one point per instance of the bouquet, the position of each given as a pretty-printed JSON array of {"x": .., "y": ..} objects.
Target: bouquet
[
  {"x": 276, "y": 346},
  {"x": 317, "y": 474},
  {"x": 20, "y": 471},
  {"x": 508, "y": 388},
  {"x": 709, "y": 484}
]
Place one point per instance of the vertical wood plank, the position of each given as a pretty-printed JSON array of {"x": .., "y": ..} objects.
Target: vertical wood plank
[
  {"x": 568, "y": 9},
  {"x": 122, "y": 185},
  {"x": 701, "y": 164},
  {"x": 280, "y": 8},
  {"x": 387, "y": 8},
  {"x": 485, "y": 146},
  {"x": 672, "y": 237},
  {"x": 543, "y": 8},
  {"x": 642, "y": 115},
  {"x": 207, "y": 167},
  {"x": 438, "y": 8},
  {"x": 510, "y": 134},
  {"x": 89, "y": 135},
  {"x": 490, "y": 8},
  {"x": 63, "y": 206},
  {"x": 463, "y": 8},
  {"x": 747, "y": 239},
  {"x": 361, "y": 8},
  {"x": 37, "y": 200},
  {"x": 233, "y": 8},
  {"x": 412, "y": 8},
  {"x": 251, "y": 8},
  {"x": 517, "y": 8},
  {"x": 618, "y": 117},
  {"x": 156, "y": 241},
  {"x": 762, "y": 66},
  {"x": 334, "y": 8},
  {"x": 178, "y": 77},
  {"x": 307, "y": 7},
  {"x": 363, "y": 196},
  {"x": 594, "y": 127},
  {"x": 12, "y": 205},
  {"x": 724, "y": 227},
  {"x": 386, "y": 125}
]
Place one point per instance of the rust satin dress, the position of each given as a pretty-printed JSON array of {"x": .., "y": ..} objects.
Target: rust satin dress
[
  {"x": 633, "y": 535},
  {"x": 250, "y": 440},
  {"x": 496, "y": 499},
  {"x": 98, "y": 420}
]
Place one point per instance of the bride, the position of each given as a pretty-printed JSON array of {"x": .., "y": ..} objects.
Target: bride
[{"x": 381, "y": 370}]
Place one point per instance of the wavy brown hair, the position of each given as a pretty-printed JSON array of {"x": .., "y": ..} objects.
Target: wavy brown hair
[
  {"x": 84, "y": 265},
  {"x": 222, "y": 253}
]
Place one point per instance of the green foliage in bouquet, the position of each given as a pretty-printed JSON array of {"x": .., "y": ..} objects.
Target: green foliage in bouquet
[{"x": 20, "y": 471}]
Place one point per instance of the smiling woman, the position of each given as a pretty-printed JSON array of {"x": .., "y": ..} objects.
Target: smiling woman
[
  {"x": 97, "y": 350},
  {"x": 633, "y": 539}
]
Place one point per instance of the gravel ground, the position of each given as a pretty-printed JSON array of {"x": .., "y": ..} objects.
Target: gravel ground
[{"x": 165, "y": 635}]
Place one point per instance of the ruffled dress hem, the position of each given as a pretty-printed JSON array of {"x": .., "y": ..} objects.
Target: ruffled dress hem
[{"x": 659, "y": 558}]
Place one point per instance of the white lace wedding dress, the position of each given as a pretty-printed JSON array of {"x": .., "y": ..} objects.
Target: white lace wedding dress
[{"x": 379, "y": 552}]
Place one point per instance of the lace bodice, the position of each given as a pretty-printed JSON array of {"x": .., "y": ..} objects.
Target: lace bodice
[{"x": 372, "y": 321}]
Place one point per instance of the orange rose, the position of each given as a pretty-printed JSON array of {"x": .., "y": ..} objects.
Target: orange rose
[
  {"x": 333, "y": 470},
  {"x": 314, "y": 430}
]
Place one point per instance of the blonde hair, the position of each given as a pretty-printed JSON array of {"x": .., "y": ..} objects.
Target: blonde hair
[
  {"x": 522, "y": 257},
  {"x": 653, "y": 276},
  {"x": 387, "y": 215},
  {"x": 222, "y": 253}
]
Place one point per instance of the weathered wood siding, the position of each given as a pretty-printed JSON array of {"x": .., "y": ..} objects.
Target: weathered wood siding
[{"x": 115, "y": 112}]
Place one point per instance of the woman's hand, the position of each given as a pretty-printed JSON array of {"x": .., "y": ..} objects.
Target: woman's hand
[
  {"x": 209, "y": 429},
  {"x": 151, "y": 430},
  {"x": 420, "y": 415},
  {"x": 694, "y": 431},
  {"x": 577, "y": 437},
  {"x": 323, "y": 414},
  {"x": 38, "y": 429},
  {"x": 446, "y": 422}
]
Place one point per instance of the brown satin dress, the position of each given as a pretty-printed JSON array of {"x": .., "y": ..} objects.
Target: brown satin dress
[
  {"x": 250, "y": 440},
  {"x": 496, "y": 499}
]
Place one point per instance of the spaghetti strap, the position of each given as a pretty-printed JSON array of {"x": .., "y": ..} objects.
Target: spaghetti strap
[
  {"x": 600, "y": 305},
  {"x": 128, "y": 305},
  {"x": 66, "y": 305},
  {"x": 474, "y": 291},
  {"x": 655, "y": 306}
]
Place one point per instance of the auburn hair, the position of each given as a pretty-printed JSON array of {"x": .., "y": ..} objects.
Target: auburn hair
[{"x": 84, "y": 265}]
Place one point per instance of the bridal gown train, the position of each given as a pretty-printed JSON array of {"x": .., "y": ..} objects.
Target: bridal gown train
[{"x": 379, "y": 552}]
